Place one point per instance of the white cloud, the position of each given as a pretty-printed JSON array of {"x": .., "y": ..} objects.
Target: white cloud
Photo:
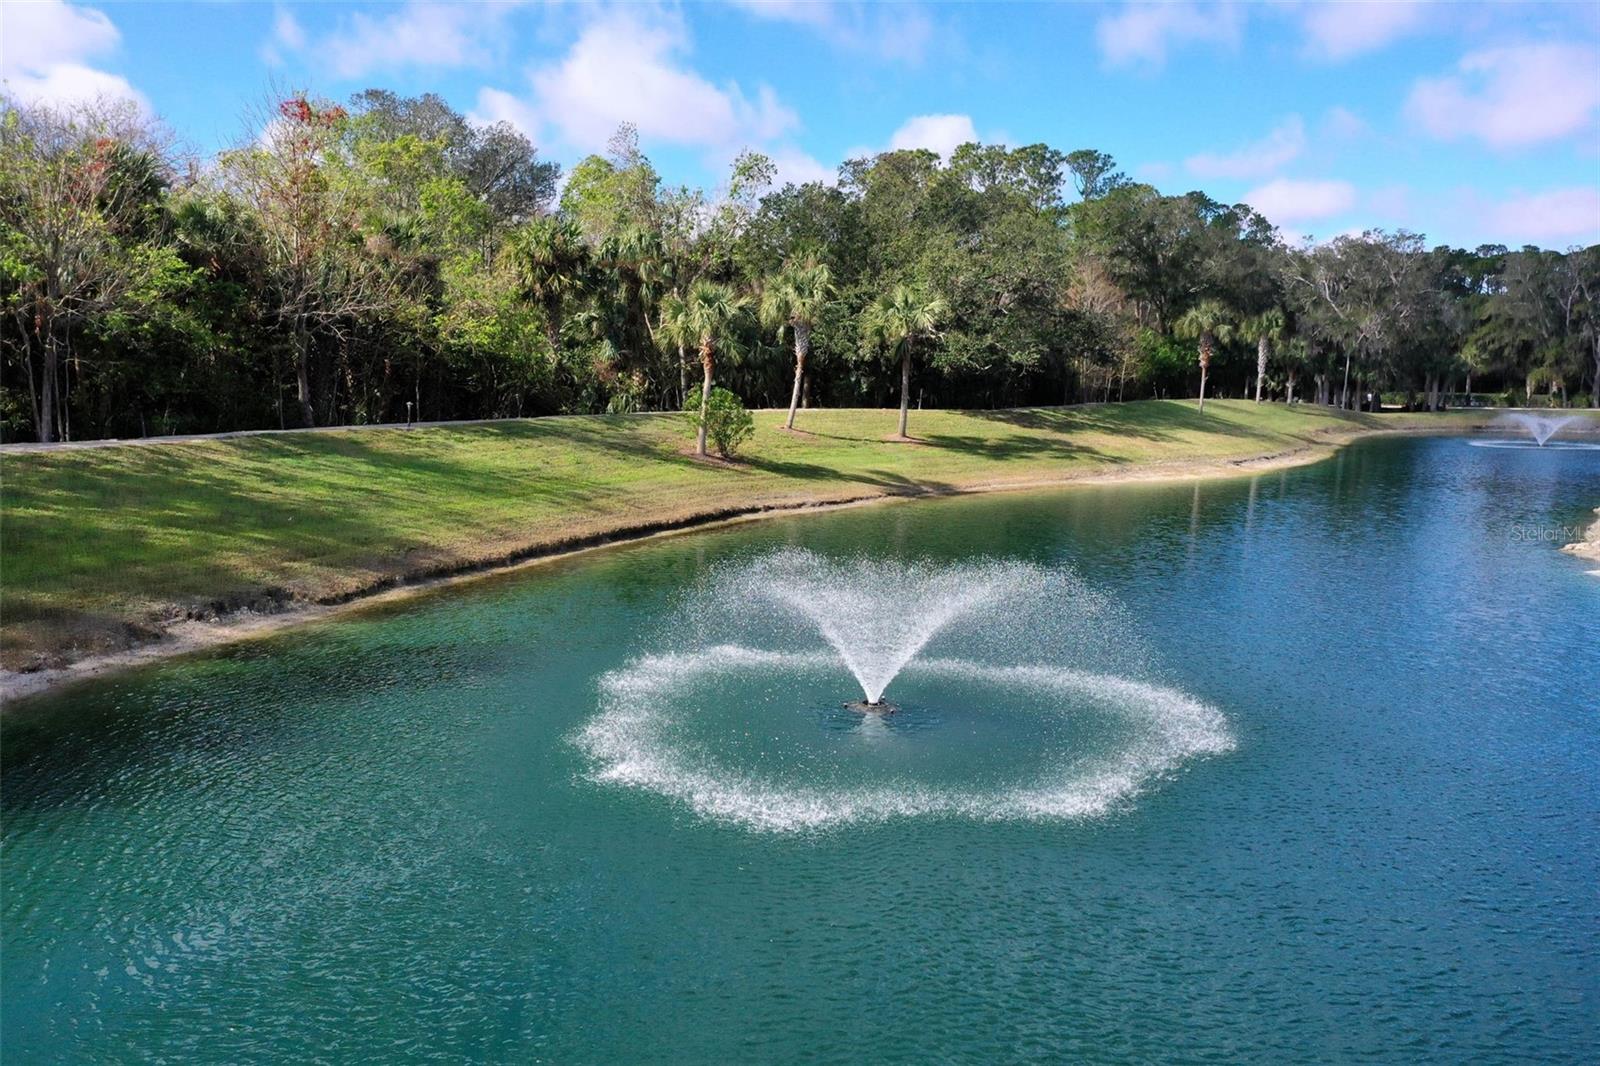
[
  {"x": 1343, "y": 124},
  {"x": 287, "y": 28},
  {"x": 798, "y": 167},
  {"x": 1142, "y": 33},
  {"x": 1555, "y": 216},
  {"x": 497, "y": 105},
  {"x": 937, "y": 133},
  {"x": 53, "y": 31},
  {"x": 624, "y": 69},
  {"x": 1289, "y": 201},
  {"x": 67, "y": 83},
  {"x": 1511, "y": 96},
  {"x": 817, "y": 13},
  {"x": 901, "y": 31},
  {"x": 1153, "y": 172},
  {"x": 1257, "y": 159},
  {"x": 45, "y": 50},
  {"x": 420, "y": 33},
  {"x": 287, "y": 36},
  {"x": 1393, "y": 203},
  {"x": 1336, "y": 31}
]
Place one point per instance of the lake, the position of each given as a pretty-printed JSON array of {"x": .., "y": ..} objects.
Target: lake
[{"x": 1304, "y": 766}]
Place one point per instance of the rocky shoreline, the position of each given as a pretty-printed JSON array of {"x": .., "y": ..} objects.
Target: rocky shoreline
[{"x": 1589, "y": 546}]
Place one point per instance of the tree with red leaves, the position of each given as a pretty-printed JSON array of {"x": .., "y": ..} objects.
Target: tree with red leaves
[{"x": 322, "y": 277}]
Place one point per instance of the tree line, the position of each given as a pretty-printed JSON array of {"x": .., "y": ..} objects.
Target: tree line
[{"x": 388, "y": 260}]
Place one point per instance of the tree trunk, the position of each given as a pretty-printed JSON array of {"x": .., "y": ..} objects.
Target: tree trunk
[
  {"x": 802, "y": 347},
  {"x": 1289, "y": 393},
  {"x": 1344, "y": 390},
  {"x": 47, "y": 400},
  {"x": 1594, "y": 392},
  {"x": 683, "y": 377},
  {"x": 1205, "y": 366},
  {"x": 905, "y": 387},
  {"x": 552, "y": 328},
  {"x": 302, "y": 373},
  {"x": 705, "y": 399},
  {"x": 27, "y": 364},
  {"x": 66, "y": 389},
  {"x": 1261, "y": 363}
]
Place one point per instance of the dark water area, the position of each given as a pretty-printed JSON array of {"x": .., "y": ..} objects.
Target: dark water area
[{"x": 395, "y": 838}]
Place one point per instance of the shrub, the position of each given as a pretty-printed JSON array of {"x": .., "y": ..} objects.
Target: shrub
[{"x": 728, "y": 424}]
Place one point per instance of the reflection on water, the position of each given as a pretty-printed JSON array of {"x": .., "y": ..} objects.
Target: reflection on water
[{"x": 377, "y": 840}]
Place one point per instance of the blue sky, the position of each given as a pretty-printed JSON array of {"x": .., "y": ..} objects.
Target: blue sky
[{"x": 1471, "y": 123}]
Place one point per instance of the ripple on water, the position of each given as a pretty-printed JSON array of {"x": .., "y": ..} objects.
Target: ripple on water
[
  {"x": 1534, "y": 446},
  {"x": 638, "y": 739}
]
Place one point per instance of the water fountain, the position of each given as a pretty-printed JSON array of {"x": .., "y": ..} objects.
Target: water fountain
[
  {"x": 878, "y": 616},
  {"x": 1540, "y": 427},
  {"x": 1540, "y": 430},
  {"x": 1019, "y": 692}
]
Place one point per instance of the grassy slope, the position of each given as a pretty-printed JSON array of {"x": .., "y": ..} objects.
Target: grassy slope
[{"x": 99, "y": 545}]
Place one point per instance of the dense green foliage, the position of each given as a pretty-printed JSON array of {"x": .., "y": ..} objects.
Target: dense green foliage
[{"x": 362, "y": 264}]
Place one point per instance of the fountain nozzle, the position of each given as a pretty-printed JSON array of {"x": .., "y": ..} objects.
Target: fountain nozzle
[{"x": 878, "y": 706}]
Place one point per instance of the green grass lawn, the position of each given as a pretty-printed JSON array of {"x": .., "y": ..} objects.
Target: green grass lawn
[{"x": 99, "y": 546}]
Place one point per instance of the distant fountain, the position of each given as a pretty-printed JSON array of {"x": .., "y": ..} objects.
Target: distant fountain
[
  {"x": 1541, "y": 431},
  {"x": 1540, "y": 427}
]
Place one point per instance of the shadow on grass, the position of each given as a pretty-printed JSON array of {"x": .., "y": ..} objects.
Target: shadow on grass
[
  {"x": 1166, "y": 420},
  {"x": 884, "y": 480},
  {"x": 149, "y": 526}
]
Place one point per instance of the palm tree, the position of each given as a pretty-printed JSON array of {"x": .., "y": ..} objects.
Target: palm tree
[
  {"x": 704, "y": 318},
  {"x": 900, "y": 318},
  {"x": 553, "y": 263},
  {"x": 1268, "y": 328},
  {"x": 1211, "y": 322},
  {"x": 795, "y": 299}
]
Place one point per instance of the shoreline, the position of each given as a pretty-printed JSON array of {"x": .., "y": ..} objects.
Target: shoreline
[
  {"x": 192, "y": 636},
  {"x": 1589, "y": 547},
  {"x": 187, "y": 636}
]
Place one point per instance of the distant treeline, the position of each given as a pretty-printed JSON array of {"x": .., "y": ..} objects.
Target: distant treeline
[{"x": 389, "y": 259}]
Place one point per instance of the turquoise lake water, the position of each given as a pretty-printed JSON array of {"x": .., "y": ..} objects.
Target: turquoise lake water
[{"x": 1298, "y": 768}]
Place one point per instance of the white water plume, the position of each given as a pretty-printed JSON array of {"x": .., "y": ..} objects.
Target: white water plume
[
  {"x": 1540, "y": 427},
  {"x": 1041, "y": 671},
  {"x": 632, "y": 741},
  {"x": 878, "y": 615},
  {"x": 1541, "y": 431}
]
